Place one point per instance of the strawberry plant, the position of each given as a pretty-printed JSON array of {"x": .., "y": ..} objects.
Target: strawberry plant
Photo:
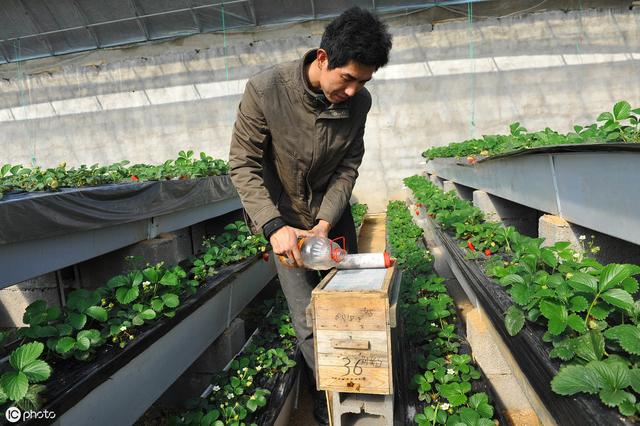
[
  {"x": 587, "y": 309},
  {"x": 428, "y": 312},
  {"x": 358, "y": 211},
  {"x": 236, "y": 243},
  {"x": 620, "y": 124},
  {"x": 113, "y": 313},
  {"x": 239, "y": 393},
  {"x": 17, "y": 177},
  {"x": 19, "y": 381}
]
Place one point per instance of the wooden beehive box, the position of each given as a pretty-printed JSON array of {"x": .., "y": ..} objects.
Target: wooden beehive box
[{"x": 353, "y": 313}]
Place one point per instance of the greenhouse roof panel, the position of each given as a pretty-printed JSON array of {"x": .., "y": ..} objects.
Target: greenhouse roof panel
[{"x": 32, "y": 29}]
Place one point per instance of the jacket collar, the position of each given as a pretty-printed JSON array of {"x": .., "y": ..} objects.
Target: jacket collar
[{"x": 318, "y": 101}]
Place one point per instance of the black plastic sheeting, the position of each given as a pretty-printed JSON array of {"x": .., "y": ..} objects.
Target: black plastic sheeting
[
  {"x": 527, "y": 347},
  {"x": 73, "y": 380},
  {"x": 35, "y": 215},
  {"x": 558, "y": 149}
]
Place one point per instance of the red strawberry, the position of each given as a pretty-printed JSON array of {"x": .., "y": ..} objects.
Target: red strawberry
[
  {"x": 487, "y": 252},
  {"x": 134, "y": 178},
  {"x": 417, "y": 212},
  {"x": 265, "y": 256},
  {"x": 470, "y": 245}
]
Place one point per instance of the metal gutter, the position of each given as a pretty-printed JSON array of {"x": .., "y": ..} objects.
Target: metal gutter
[
  {"x": 595, "y": 187},
  {"x": 128, "y": 392},
  {"x": 23, "y": 260}
]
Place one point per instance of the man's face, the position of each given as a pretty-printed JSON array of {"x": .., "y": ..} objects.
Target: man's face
[{"x": 341, "y": 83}]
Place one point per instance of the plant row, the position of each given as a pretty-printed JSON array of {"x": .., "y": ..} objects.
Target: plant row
[
  {"x": 619, "y": 125},
  {"x": 446, "y": 378},
  {"x": 241, "y": 391},
  {"x": 186, "y": 166},
  {"x": 113, "y": 314},
  {"x": 588, "y": 310},
  {"x": 358, "y": 211}
]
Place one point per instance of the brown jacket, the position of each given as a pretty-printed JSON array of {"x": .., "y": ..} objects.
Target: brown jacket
[{"x": 291, "y": 155}]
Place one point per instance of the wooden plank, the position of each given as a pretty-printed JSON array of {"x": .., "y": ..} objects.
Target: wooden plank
[
  {"x": 350, "y": 344},
  {"x": 371, "y": 380},
  {"x": 350, "y": 313},
  {"x": 358, "y": 280},
  {"x": 372, "y": 238},
  {"x": 377, "y": 342}
]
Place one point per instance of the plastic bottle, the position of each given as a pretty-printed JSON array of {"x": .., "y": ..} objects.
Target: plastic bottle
[
  {"x": 317, "y": 253},
  {"x": 366, "y": 261}
]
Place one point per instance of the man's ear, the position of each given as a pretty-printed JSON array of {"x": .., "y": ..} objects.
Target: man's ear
[{"x": 322, "y": 58}]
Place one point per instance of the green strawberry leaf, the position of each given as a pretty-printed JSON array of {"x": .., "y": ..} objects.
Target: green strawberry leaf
[
  {"x": 630, "y": 285},
  {"x": 573, "y": 379},
  {"x": 15, "y": 384},
  {"x": 576, "y": 323},
  {"x": 118, "y": 281},
  {"x": 151, "y": 274},
  {"x": 148, "y": 314},
  {"x": 618, "y": 297},
  {"x": 97, "y": 312},
  {"x": 157, "y": 304},
  {"x": 83, "y": 343},
  {"x": 25, "y": 355},
  {"x": 169, "y": 279},
  {"x": 37, "y": 371},
  {"x": 613, "y": 274},
  {"x": 511, "y": 279},
  {"x": 65, "y": 344},
  {"x": 77, "y": 321},
  {"x": 126, "y": 295},
  {"x": 170, "y": 300},
  {"x": 584, "y": 282},
  {"x": 556, "y": 314},
  {"x": 578, "y": 304},
  {"x": 480, "y": 403},
  {"x": 514, "y": 320},
  {"x": 590, "y": 346},
  {"x": 628, "y": 336},
  {"x": 621, "y": 110},
  {"x": 93, "y": 335}
]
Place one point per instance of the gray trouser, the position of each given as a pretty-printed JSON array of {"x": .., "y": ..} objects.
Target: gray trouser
[{"x": 297, "y": 284}]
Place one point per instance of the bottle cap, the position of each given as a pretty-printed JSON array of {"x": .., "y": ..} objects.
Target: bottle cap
[{"x": 387, "y": 260}]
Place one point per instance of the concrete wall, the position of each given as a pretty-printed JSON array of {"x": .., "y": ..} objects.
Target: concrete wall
[{"x": 446, "y": 82}]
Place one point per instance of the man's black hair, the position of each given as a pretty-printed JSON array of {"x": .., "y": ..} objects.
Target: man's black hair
[{"x": 356, "y": 35}]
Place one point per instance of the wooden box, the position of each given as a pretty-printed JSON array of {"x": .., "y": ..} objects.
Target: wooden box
[{"x": 353, "y": 312}]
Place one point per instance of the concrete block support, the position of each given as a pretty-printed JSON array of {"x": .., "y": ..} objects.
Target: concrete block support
[
  {"x": 609, "y": 249},
  {"x": 198, "y": 376},
  {"x": 15, "y": 299},
  {"x": 463, "y": 192},
  {"x": 171, "y": 248},
  {"x": 362, "y": 409},
  {"x": 437, "y": 181},
  {"x": 497, "y": 209},
  {"x": 555, "y": 229}
]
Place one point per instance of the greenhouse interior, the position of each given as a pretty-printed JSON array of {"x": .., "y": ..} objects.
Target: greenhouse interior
[{"x": 320, "y": 212}]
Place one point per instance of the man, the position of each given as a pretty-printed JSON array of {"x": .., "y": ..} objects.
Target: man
[{"x": 297, "y": 144}]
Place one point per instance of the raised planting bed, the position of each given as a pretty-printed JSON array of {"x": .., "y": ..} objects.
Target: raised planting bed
[
  {"x": 445, "y": 387},
  {"x": 119, "y": 385},
  {"x": 585, "y": 184},
  {"x": 590, "y": 347},
  {"x": 72, "y": 225},
  {"x": 256, "y": 385}
]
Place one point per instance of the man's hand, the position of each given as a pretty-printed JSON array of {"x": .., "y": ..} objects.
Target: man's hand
[
  {"x": 321, "y": 229},
  {"x": 285, "y": 242}
]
